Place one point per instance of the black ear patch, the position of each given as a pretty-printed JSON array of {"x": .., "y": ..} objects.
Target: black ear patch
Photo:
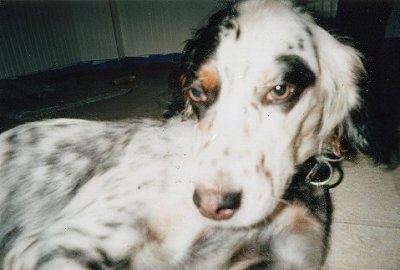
[
  {"x": 296, "y": 71},
  {"x": 357, "y": 134},
  {"x": 356, "y": 127},
  {"x": 196, "y": 51},
  {"x": 365, "y": 133}
]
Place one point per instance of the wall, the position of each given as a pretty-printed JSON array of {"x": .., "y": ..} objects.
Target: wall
[
  {"x": 39, "y": 35},
  {"x": 94, "y": 30},
  {"x": 36, "y": 35},
  {"x": 159, "y": 27},
  {"x": 393, "y": 27}
]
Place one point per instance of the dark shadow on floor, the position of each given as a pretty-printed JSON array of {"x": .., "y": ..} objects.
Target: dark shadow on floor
[{"x": 104, "y": 93}]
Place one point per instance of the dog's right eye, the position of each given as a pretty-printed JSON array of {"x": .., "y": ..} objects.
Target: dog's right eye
[
  {"x": 278, "y": 93},
  {"x": 281, "y": 92},
  {"x": 197, "y": 94}
]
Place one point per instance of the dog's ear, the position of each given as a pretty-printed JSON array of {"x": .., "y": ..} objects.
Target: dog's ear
[
  {"x": 176, "y": 81},
  {"x": 196, "y": 52},
  {"x": 345, "y": 124}
]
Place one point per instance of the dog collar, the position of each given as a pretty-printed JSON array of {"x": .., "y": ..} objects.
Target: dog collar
[{"x": 322, "y": 170}]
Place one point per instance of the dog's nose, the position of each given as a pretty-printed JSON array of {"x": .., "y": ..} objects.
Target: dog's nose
[{"x": 215, "y": 204}]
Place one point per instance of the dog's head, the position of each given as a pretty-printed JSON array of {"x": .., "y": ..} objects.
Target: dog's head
[{"x": 270, "y": 89}]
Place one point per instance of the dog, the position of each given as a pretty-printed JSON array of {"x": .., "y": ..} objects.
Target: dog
[{"x": 264, "y": 98}]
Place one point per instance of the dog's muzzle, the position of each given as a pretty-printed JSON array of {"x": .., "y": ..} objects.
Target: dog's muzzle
[{"x": 217, "y": 204}]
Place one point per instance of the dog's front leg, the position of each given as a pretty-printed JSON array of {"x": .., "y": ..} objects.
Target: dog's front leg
[{"x": 298, "y": 239}]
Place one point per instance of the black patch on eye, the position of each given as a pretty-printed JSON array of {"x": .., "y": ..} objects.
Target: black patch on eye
[{"x": 296, "y": 71}]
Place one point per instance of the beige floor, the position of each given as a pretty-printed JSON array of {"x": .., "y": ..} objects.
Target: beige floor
[{"x": 366, "y": 223}]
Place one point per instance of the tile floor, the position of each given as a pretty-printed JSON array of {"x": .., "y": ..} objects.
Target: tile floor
[{"x": 366, "y": 223}]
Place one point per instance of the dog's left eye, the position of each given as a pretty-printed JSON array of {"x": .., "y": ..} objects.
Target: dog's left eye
[
  {"x": 278, "y": 93},
  {"x": 197, "y": 94}
]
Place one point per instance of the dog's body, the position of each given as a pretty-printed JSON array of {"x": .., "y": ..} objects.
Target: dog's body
[
  {"x": 268, "y": 89},
  {"x": 90, "y": 195}
]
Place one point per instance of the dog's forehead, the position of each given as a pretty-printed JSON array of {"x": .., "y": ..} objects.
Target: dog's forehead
[{"x": 258, "y": 38}]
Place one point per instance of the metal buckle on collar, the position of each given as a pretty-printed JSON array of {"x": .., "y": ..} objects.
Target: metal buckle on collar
[
  {"x": 322, "y": 171},
  {"x": 312, "y": 175}
]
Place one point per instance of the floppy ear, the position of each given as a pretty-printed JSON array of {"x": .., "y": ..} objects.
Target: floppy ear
[
  {"x": 195, "y": 52},
  {"x": 345, "y": 121}
]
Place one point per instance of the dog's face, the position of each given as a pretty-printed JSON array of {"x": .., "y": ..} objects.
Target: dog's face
[{"x": 272, "y": 90}]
